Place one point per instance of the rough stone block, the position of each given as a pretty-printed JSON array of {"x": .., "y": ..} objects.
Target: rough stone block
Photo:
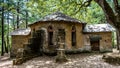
[{"x": 113, "y": 58}]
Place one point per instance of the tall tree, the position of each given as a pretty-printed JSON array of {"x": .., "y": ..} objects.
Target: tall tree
[
  {"x": 8, "y": 45},
  {"x": 26, "y": 16},
  {"x": 2, "y": 23},
  {"x": 26, "y": 19},
  {"x": 112, "y": 17},
  {"x": 18, "y": 11},
  {"x": 13, "y": 21},
  {"x": 112, "y": 14}
]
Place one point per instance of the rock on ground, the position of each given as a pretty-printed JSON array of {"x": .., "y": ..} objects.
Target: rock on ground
[{"x": 86, "y": 60}]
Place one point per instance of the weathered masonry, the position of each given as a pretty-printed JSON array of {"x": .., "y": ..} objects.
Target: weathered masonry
[{"x": 42, "y": 36}]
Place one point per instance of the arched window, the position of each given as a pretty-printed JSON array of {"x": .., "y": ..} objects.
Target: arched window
[
  {"x": 73, "y": 34},
  {"x": 50, "y": 35}
]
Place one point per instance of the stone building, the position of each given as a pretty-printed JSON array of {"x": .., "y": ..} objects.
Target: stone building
[{"x": 42, "y": 36}]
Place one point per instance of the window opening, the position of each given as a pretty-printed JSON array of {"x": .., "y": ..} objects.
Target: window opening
[
  {"x": 73, "y": 36},
  {"x": 50, "y": 35}
]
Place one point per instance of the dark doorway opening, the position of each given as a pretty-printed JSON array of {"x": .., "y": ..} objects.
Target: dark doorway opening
[
  {"x": 73, "y": 38},
  {"x": 36, "y": 42},
  {"x": 95, "y": 45},
  {"x": 50, "y": 38},
  {"x": 95, "y": 42},
  {"x": 50, "y": 35},
  {"x": 41, "y": 39}
]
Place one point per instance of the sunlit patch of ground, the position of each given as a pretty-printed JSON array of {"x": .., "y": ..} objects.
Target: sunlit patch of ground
[{"x": 86, "y": 60}]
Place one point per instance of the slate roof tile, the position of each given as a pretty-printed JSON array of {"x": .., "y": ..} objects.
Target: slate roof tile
[
  {"x": 98, "y": 28},
  {"x": 21, "y": 31}
]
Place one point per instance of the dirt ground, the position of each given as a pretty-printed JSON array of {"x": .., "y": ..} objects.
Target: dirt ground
[{"x": 84, "y": 60}]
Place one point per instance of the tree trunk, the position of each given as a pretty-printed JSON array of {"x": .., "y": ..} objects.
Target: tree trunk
[
  {"x": 13, "y": 22},
  {"x": 26, "y": 19},
  {"x": 2, "y": 23},
  {"x": 109, "y": 14},
  {"x": 6, "y": 49},
  {"x": 8, "y": 32},
  {"x": 117, "y": 14},
  {"x": 112, "y": 17},
  {"x": 8, "y": 45},
  {"x": 18, "y": 15},
  {"x": 118, "y": 39}
]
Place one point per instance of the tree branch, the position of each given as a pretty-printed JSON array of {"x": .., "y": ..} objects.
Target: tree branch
[
  {"x": 110, "y": 16},
  {"x": 85, "y": 4},
  {"x": 116, "y": 6},
  {"x": 117, "y": 12}
]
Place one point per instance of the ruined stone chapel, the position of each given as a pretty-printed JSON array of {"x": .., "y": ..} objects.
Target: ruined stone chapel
[{"x": 42, "y": 36}]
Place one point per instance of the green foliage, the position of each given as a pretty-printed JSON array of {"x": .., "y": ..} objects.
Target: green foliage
[
  {"x": 37, "y": 9},
  {"x": 90, "y": 14}
]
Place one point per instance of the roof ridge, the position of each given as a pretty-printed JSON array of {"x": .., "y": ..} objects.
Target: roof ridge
[{"x": 59, "y": 16}]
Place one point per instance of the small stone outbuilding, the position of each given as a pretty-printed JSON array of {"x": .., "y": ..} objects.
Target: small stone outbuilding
[{"x": 42, "y": 36}]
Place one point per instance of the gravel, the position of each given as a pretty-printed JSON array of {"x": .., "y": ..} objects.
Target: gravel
[{"x": 84, "y": 60}]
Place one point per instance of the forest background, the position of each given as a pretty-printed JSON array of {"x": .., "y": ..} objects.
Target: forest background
[{"x": 17, "y": 14}]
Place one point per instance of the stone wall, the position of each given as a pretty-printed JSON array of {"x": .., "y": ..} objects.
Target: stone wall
[
  {"x": 105, "y": 41},
  {"x": 63, "y": 25},
  {"x": 17, "y": 42},
  {"x": 82, "y": 40}
]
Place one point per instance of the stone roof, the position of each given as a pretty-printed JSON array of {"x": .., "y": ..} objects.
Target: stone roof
[
  {"x": 58, "y": 16},
  {"x": 98, "y": 28},
  {"x": 21, "y": 31}
]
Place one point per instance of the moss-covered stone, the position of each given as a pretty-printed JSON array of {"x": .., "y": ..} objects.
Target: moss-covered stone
[
  {"x": 113, "y": 58},
  {"x": 61, "y": 59},
  {"x": 18, "y": 61}
]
